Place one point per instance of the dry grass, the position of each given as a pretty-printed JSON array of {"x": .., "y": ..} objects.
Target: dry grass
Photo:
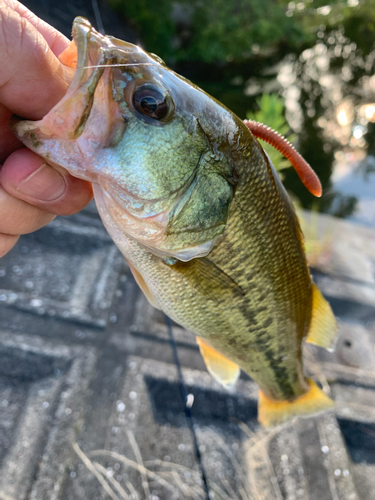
[{"x": 184, "y": 483}]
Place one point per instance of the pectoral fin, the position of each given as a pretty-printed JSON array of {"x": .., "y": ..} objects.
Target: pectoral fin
[
  {"x": 221, "y": 368},
  {"x": 208, "y": 279},
  {"x": 271, "y": 412},
  {"x": 323, "y": 326},
  {"x": 143, "y": 286}
]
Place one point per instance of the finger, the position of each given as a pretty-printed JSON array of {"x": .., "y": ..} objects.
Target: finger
[
  {"x": 32, "y": 78},
  {"x": 26, "y": 176},
  {"x": 56, "y": 40},
  {"x": 18, "y": 217},
  {"x": 7, "y": 242}
]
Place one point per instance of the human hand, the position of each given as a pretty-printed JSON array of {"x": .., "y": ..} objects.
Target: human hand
[{"x": 32, "y": 81}]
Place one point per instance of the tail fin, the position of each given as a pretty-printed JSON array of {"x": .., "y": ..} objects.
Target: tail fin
[{"x": 272, "y": 412}]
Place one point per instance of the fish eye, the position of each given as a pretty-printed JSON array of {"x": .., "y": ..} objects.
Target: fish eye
[{"x": 151, "y": 101}]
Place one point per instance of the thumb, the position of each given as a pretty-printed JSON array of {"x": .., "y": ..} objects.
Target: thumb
[{"x": 27, "y": 177}]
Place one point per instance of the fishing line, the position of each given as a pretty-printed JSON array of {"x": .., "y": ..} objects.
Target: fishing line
[
  {"x": 124, "y": 65},
  {"x": 187, "y": 410},
  {"x": 98, "y": 17}
]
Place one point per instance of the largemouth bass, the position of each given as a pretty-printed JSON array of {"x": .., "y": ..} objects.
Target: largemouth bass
[{"x": 192, "y": 201}]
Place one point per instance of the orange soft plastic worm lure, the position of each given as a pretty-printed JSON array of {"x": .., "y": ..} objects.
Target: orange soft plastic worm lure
[{"x": 303, "y": 169}]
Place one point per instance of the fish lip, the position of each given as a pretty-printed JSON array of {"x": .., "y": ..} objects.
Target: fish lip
[
  {"x": 96, "y": 53},
  {"x": 86, "y": 39},
  {"x": 89, "y": 41}
]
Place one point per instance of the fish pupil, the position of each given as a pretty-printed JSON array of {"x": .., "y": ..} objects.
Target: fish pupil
[
  {"x": 150, "y": 101},
  {"x": 149, "y": 105}
]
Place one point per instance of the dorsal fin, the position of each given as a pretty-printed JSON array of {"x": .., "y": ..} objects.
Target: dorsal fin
[{"x": 303, "y": 169}]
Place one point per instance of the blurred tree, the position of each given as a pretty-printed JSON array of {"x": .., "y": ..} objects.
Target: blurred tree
[{"x": 212, "y": 30}]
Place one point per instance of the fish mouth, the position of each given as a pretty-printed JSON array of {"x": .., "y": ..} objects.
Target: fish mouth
[
  {"x": 92, "y": 55},
  {"x": 83, "y": 33},
  {"x": 91, "y": 61},
  {"x": 94, "y": 49},
  {"x": 95, "y": 53}
]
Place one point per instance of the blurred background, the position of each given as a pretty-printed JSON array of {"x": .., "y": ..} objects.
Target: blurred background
[{"x": 92, "y": 395}]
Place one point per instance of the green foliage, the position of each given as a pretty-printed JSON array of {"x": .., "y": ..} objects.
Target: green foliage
[
  {"x": 225, "y": 29},
  {"x": 222, "y": 30},
  {"x": 211, "y": 30},
  {"x": 271, "y": 113}
]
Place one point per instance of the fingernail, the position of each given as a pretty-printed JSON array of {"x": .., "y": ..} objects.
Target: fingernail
[{"x": 45, "y": 184}]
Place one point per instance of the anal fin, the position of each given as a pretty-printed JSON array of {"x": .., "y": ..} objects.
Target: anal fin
[
  {"x": 323, "y": 326},
  {"x": 272, "y": 412},
  {"x": 221, "y": 368},
  {"x": 142, "y": 285}
]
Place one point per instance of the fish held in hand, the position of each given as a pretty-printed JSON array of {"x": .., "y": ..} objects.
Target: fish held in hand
[{"x": 194, "y": 204}]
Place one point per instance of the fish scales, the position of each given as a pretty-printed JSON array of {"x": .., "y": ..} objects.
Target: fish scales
[
  {"x": 194, "y": 204},
  {"x": 266, "y": 320}
]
